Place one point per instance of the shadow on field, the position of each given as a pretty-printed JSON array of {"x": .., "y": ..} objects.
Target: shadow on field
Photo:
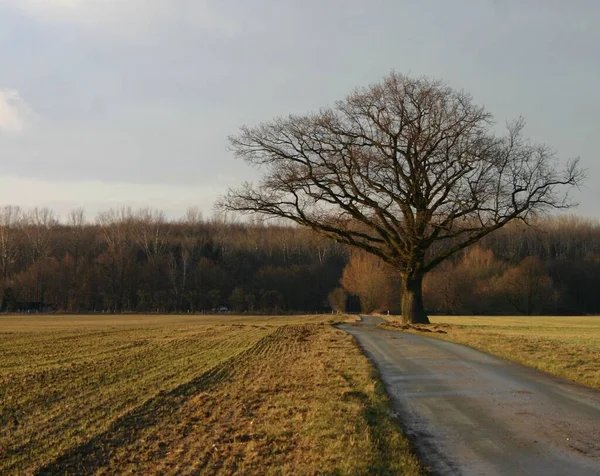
[
  {"x": 386, "y": 447},
  {"x": 96, "y": 452},
  {"x": 374, "y": 414}
]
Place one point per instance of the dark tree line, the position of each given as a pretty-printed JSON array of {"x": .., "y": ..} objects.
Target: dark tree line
[
  {"x": 138, "y": 261},
  {"x": 551, "y": 267},
  {"x": 128, "y": 261},
  {"x": 567, "y": 250}
]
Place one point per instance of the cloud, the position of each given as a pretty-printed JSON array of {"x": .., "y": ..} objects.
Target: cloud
[
  {"x": 47, "y": 9},
  {"x": 130, "y": 18},
  {"x": 15, "y": 113}
]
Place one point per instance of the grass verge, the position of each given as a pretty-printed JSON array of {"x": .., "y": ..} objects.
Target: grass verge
[
  {"x": 193, "y": 395},
  {"x": 568, "y": 347}
]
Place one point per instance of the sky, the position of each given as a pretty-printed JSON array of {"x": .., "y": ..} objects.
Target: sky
[{"x": 108, "y": 103}]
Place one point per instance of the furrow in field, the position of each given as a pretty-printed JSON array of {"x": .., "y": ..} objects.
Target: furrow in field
[
  {"x": 294, "y": 403},
  {"x": 206, "y": 395},
  {"x": 42, "y": 414},
  {"x": 92, "y": 454}
]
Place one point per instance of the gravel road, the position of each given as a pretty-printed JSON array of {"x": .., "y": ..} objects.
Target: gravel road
[{"x": 474, "y": 414}]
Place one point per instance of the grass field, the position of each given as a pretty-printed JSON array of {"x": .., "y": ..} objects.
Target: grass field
[
  {"x": 565, "y": 346},
  {"x": 191, "y": 394}
]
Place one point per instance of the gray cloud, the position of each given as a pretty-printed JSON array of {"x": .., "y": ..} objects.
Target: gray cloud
[
  {"x": 15, "y": 113},
  {"x": 117, "y": 20},
  {"x": 146, "y": 91}
]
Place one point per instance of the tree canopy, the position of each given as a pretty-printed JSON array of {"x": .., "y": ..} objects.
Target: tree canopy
[{"x": 407, "y": 169}]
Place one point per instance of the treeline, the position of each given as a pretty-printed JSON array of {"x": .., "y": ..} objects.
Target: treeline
[
  {"x": 138, "y": 261},
  {"x": 549, "y": 267}
]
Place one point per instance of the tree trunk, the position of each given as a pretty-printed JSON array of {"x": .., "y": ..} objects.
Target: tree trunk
[{"x": 413, "y": 311}]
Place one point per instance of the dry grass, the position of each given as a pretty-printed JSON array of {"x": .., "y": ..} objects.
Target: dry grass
[
  {"x": 565, "y": 346},
  {"x": 181, "y": 394}
]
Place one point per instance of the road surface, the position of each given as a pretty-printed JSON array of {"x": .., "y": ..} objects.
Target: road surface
[{"x": 470, "y": 413}]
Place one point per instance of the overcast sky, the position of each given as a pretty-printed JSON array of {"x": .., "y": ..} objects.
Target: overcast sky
[{"x": 129, "y": 102}]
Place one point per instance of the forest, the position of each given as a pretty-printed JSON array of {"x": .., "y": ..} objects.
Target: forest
[{"x": 139, "y": 261}]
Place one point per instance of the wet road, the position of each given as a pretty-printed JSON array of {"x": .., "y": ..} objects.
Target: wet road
[{"x": 474, "y": 414}]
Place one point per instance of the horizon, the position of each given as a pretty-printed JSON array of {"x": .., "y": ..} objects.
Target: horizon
[{"x": 245, "y": 219}]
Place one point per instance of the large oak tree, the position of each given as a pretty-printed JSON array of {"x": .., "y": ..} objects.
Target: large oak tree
[{"x": 409, "y": 170}]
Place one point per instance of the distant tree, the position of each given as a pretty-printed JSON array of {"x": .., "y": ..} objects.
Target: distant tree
[
  {"x": 475, "y": 275},
  {"x": 409, "y": 170},
  {"x": 11, "y": 221},
  {"x": 117, "y": 229},
  {"x": 77, "y": 224},
  {"x": 466, "y": 285},
  {"x": 271, "y": 301},
  {"x": 39, "y": 225},
  {"x": 39, "y": 282},
  {"x": 9, "y": 302},
  {"x": 527, "y": 287},
  {"x": 214, "y": 296},
  {"x": 369, "y": 278},
  {"x": 441, "y": 289},
  {"x": 251, "y": 301},
  {"x": 179, "y": 262},
  {"x": 237, "y": 300},
  {"x": 337, "y": 300},
  {"x": 150, "y": 232}
]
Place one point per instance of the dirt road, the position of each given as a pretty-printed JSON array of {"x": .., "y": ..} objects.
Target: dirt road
[{"x": 474, "y": 414}]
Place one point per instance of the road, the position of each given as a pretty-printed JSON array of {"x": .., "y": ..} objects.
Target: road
[{"x": 471, "y": 413}]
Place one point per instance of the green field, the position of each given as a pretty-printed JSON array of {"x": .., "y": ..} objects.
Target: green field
[
  {"x": 565, "y": 346},
  {"x": 191, "y": 394}
]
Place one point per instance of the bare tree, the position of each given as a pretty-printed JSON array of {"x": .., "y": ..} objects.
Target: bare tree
[
  {"x": 77, "y": 223},
  {"x": 39, "y": 225},
  {"x": 465, "y": 285},
  {"x": 116, "y": 226},
  {"x": 150, "y": 232},
  {"x": 178, "y": 270},
  {"x": 369, "y": 278},
  {"x": 11, "y": 219},
  {"x": 409, "y": 170},
  {"x": 193, "y": 216},
  {"x": 527, "y": 287}
]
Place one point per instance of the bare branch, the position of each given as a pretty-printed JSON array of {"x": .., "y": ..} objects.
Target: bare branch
[{"x": 407, "y": 169}]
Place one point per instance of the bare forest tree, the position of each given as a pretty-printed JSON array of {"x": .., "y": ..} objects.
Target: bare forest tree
[
  {"x": 77, "y": 223},
  {"x": 11, "y": 220},
  {"x": 38, "y": 225},
  {"x": 466, "y": 284},
  {"x": 150, "y": 232},
  {"x": 337, "y": 299},
  {"x": 117, "y": 229},
  {"x": 193, "y": 217},
  {"x": 527, "y": 287},
  {"x": 369, "y": 278},
  {"x": 409, "y": 170}
]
